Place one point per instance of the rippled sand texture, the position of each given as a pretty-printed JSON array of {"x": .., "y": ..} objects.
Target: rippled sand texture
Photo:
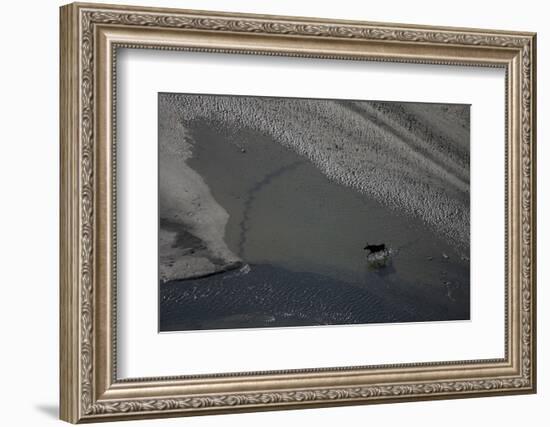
[{"x": 293, "y": 189}]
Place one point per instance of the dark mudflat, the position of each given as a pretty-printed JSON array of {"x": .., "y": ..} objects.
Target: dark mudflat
[{"x": 268, "y": 296}]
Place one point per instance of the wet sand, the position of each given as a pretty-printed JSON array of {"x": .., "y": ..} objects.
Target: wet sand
[
  {"x": 411, "y": 157},
  {"x": 267, "y": 296}
]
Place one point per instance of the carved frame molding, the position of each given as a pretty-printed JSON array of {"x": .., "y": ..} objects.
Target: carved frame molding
[{"x": 90, "y": 35}]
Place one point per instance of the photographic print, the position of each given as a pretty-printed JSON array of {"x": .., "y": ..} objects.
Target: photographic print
[{"x": 279, "y": 212}]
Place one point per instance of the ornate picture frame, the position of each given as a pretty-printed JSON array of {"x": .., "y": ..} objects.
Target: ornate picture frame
[{"x": 90, "y": 37}]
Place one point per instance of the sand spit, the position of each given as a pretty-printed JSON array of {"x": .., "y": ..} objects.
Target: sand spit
[
  {"x": 192, "y": 223},
  {"x": 413, "y": 158}
]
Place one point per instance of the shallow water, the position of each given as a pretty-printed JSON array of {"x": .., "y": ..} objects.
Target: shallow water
[{"x": 267, "y": 296}]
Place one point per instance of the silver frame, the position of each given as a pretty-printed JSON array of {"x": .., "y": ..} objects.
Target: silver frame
[{"x": 90, "y": 37}]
